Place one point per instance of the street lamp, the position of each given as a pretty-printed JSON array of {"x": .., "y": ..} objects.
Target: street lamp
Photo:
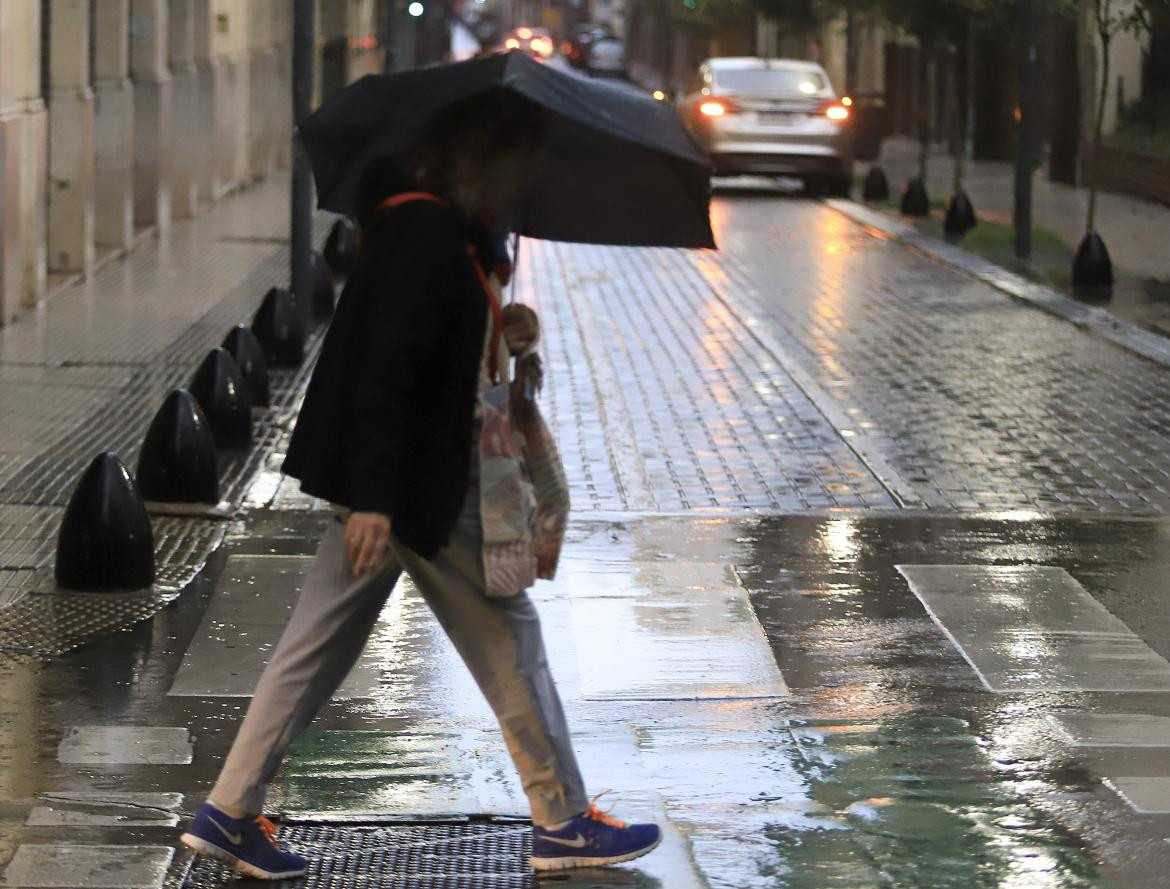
[{"x": 416, "y": 9}]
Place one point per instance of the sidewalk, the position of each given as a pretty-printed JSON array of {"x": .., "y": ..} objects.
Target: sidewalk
[
  {"x": 86, "y": 372},
  {"x": 1133, "y": 229}
]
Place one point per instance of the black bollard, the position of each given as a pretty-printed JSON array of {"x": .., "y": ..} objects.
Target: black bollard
[
  {"x": 222, "y": 392},
  {"x": 249, "y": 356},
  {"x": 278, "y": 327},
  {"x": 341, "y": 247},
  {"x": 323, "y": 293},
  {"x": 178, "y": 460},
  {"x": 914, "y": 198},
  {"x": 106, "y": 542},
  {"x": 960, "y": 217},
  {"x": 876, "y": 188},
  {"x": 1092, "y": 266}
]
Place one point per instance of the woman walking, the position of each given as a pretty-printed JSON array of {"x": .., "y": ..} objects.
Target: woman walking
[{"x": 390, "y": 435}]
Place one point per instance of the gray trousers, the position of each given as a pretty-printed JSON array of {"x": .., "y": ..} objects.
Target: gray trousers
[{"x": 498, "y": 639}]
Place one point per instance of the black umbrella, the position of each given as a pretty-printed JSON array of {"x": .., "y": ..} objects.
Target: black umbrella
[{"x": 617, "y": 168}]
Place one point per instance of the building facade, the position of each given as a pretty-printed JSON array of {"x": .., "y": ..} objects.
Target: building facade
[{"x": 118, "y": 116}]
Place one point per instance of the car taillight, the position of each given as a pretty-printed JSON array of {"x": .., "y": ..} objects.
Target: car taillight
[
  {"x": 837, "y": 112},
  {"x": 512, "y": 43}
]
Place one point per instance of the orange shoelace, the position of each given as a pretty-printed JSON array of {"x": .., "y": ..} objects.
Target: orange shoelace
[
  {"x": 269, "y": 829},
  {"x": 595, "y": 814}
]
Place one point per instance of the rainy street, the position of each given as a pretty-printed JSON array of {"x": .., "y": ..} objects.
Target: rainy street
[{"x": 863, "y": 585}]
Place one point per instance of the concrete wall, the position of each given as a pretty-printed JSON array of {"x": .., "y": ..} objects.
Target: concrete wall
[{"x": 182, "y": 102}]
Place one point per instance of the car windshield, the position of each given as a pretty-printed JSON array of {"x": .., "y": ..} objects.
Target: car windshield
[{"x": 770, "y": 81}]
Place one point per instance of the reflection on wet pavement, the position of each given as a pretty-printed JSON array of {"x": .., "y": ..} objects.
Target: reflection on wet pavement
[{"x": 878, "y": 759}]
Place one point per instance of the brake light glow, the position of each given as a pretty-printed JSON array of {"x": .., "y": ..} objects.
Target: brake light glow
[
  {"x": 512, "y": 43},
  {"x": 837, "y": 112},
  {"x": 524, "y": 33},
  {"x": 713, "y": 109}
]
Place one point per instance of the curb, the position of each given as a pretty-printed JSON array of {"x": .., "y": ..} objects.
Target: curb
[{"x": 1091, "y": 319}]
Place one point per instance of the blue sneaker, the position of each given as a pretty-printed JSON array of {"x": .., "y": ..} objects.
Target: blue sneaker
[
  {"x": 592, "y": 839},
  {"x": 247, "y": 845}
]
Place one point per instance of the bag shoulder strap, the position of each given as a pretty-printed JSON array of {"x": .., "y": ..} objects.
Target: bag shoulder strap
[{"x": 407, "y": 197}]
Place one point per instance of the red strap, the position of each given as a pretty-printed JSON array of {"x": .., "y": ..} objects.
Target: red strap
[
  {"x": 406, "y": 197},
  {"x": 493, "y": 301},
  {"x": 497, "y": 315}
]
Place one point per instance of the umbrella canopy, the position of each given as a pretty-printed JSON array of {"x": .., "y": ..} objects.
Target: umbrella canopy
[{"x": 617, "y": 167}]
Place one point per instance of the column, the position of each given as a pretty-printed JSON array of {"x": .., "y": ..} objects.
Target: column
[
  {"x": 229, "y": 30},
  {"x": 71, "y": 144},
  {"x": 113, "y": 126},
  {"x": 188, "y": 142},
  {"x": 23, "y": 158},
  {"x": 152, "y": 112},
  {"x": 333, "y": 26},
  {"x": 282, "y": 84},
  {"x": 262, "y": 63},
  {"x": 206, "y": 77}
]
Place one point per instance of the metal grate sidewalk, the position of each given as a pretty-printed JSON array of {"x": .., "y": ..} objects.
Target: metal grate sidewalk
[{"x": 420, "y": 856}]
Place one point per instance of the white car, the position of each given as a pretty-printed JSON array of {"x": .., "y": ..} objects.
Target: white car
[
  {"x": 607, "y": 55},
  {"x": 773, "y": 117}
]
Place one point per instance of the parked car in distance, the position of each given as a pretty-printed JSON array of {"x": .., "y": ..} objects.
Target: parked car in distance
[
  {"x": 537, "y": 41},
  {"x": 771, "y": 116},
  {"x": 607, "y": 55},
  {"x": 579, "y": 42}
]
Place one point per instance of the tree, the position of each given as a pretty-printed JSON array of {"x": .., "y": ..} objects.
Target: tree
[{"x": 1109, "y": 19}]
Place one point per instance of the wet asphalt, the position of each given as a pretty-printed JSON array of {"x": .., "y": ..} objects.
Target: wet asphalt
[{"x": 769, "y": 447}]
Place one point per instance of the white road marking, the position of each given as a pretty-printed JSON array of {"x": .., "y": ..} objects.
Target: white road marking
[
  {"x": 1031, "y": 628},
  {"x": 242, "y": 625},
  {"x": 102, "y": 745},
  {"x": 62, "y": 866},
  {"x": 670, "y": 631},
  {"x": 73, "y": 808},
  {"x": 1112, "y": 729},
  {"x": 1146, "y": 796}
]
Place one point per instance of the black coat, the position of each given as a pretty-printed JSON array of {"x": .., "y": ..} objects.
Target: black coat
[{"x": 387, "y": 418}]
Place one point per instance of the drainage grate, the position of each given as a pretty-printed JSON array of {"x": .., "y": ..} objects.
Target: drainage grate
[{"x": 421, "y": 856}]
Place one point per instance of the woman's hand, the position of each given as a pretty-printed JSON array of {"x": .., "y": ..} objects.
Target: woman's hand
[
  {"x": 521, "y": 328},
  {"x": 367, "y": 536}
]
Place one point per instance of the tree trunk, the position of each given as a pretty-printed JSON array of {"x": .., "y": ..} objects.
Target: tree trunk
[
  {"x": 962, "y": 92},
  {"x": 1099, "y": 127},
  {"x": 850, "y": 52},
  {"x": 924, "y": 105}
]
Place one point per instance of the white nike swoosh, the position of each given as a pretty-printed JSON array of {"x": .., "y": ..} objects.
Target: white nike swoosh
[
  {"x": 578, "y": 843},
  {"x": 234, "y": 838}
]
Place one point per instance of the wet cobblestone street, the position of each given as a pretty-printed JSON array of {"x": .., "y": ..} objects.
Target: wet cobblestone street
[
  {"x": 863, "y": 587},
  {"x": 974, "y": 400}
]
